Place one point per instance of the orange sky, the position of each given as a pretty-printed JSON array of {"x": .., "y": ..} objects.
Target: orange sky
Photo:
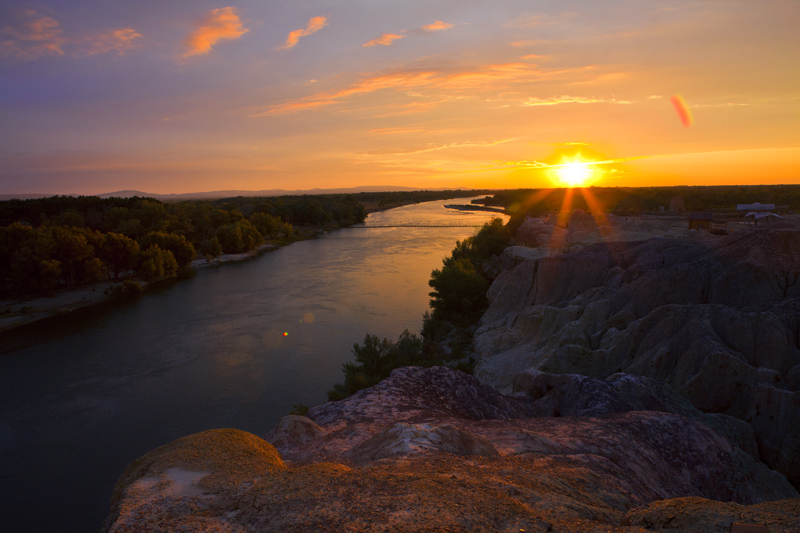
[{"x": 200, "y": 96}]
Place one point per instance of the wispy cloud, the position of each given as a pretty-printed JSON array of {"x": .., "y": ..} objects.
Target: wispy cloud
[
  {"x": 437, "y": 26},
  {"x": 394, "y": 131},
  {"x": 120, "y": 41},
  {"x": 433, "y": 147},
  {"x": 30, "y": 36},
  {"x": 532, "y": 163},
  {"x": 219, "y": 24},
  {"x": 566, "y": 99},
  {"x": 314, "y": 25},
  {"x": 535, "y": 21},
  {"x": 452, "y": 82},
  {"x": 388, "y": 38},
  {"x": 384, "y": 40}
]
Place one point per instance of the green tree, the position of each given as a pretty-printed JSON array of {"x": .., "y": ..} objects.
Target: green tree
[
  {"x": 459, "y": 291},
  {"x": 182, "y": 250},
  {"x": 230, "y": 238},
  {"x": 49, "y": 274},
  {"x": 211, "y": 248},
  {"x": 375, "y": 360},
  {"x": 269, "y": 226},
  {"x": 120, "y": 253},
  {"x": 157, "y": 264},
  {"x": 72, "y": 249},
  {"x": 241, "y": 236}
]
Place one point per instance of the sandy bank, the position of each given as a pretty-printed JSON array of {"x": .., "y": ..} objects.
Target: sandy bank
[{"x": 19, "y": 312}]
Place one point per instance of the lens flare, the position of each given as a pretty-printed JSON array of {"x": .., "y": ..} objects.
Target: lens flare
[{"x": 682, "y": 109}]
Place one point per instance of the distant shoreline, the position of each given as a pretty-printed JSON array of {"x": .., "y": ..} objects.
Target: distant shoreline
[{"x": 18, "y": 312}]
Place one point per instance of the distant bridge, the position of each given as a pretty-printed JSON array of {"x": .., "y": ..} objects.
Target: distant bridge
[{"x": 419, "y": 226}]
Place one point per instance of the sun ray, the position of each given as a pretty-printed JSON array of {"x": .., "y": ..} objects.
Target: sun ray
[
  {"x": 595, "y": 207},
  {"x": 566, "y": 208}
]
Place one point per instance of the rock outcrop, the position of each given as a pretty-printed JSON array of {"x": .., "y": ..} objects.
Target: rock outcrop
[
  {"x": 716, "y": 319},
  {"x": 578, "y": 227},
  {"x": 626, "y": 386},
  {"x": 436, "y": 450}
]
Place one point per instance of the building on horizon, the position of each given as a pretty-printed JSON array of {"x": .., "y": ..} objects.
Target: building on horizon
[
  {"x": 701, "y": 220},
  {"x": 762, "y": 219},
  {"x": 676, "y": 204},
  {"x": 755, "y": 207}
]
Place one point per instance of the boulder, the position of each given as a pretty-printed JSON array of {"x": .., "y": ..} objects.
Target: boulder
[
  {"x": 173, "y": 487},
  {"x": 440, "y": 468}
]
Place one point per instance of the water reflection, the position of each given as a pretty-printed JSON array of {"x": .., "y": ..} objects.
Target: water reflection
[{"x": 83, "y": 395}]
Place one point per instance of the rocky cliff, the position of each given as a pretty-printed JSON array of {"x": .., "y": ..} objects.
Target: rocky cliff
[
  {"x": 627, "y": 386},
  {"x": 436, "y": 450},
  {"x": 717, "y": 320}
]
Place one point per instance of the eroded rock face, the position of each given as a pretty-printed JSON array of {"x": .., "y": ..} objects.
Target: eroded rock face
[
  {"x": 698, "y": 515},
  {"x": 718, "y": 320},
  {"x": 577, "y": 395},
  {"x": 421, "y": 463}
]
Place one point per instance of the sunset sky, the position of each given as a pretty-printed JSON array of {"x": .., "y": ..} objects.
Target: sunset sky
[{"x": 188, "y": 96}]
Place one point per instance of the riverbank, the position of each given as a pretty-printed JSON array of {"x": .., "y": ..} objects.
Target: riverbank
[
  {"x": 17, "y": 312},
  {"x": 604, "y": 448},
  {"x": 23, "y": 311}
]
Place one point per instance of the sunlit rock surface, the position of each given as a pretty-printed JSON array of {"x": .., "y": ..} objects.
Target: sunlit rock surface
[
  {"x": 645, "y": 384},
  {"x": 436, "y": 450},
  {"x": 716, "y": 319}
]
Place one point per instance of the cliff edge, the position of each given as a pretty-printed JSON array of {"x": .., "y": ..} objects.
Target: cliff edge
[
  {"x": 717, "y": 320},
  {"x": 628, "y": 386},
  {"x": 436, "y": 450}
]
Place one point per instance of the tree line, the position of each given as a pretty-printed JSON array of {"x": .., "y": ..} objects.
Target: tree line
[
  {"x": 458, "y": 300},
  {"x": 627, "y": 200},
  {"x": 67, "y": 242}
]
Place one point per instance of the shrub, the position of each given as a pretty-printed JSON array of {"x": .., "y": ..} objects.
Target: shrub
[{"x": 375, "y": 360}]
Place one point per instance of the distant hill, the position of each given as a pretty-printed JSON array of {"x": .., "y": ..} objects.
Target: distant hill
[{"x": 210, "y": 195}]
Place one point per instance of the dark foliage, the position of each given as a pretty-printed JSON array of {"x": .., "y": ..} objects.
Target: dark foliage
[
  {"x": 459, "y": 287},
  {"x": 375, "y": 360},
  {"x": 625, "y": 200}
]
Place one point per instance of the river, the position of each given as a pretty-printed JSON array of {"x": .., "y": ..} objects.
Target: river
[{"x": 83, "y": 395}]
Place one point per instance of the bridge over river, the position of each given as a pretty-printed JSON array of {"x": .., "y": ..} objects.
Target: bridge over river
[{"x": 418, "y": 226}]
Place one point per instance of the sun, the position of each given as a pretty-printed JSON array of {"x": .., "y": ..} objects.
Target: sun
[{"x": 574, "y": 173}]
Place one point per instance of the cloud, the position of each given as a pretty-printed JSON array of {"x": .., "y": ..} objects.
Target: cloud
[
  {"x": 120, "y": 40},
  {"x": 444, "y": 82},
  {"x": 384, "y": 40},
  {"x": 536, "y": 21},
  {"x": 388, "y": 38},
  {"x": 432, "y": 147},
  {"x": 566, "y": 99},
  {"x": 437, "y": 26},
  {"x": 314, "y": 25},
  {"x": 222, "y": 23},
  {"x": 31, "y": 36},
  {"x": 393, "y": 131},
  {"x": 532, "y": 163}
]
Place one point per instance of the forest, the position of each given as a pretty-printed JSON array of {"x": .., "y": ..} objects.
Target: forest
[
  {"x": 64, "y": 242},
  {"x": 628, "y": 200},
  {"x": 67, "y": 242}
]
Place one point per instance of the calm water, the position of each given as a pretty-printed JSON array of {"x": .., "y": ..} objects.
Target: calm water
[{"x": 88, "y": 393}]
